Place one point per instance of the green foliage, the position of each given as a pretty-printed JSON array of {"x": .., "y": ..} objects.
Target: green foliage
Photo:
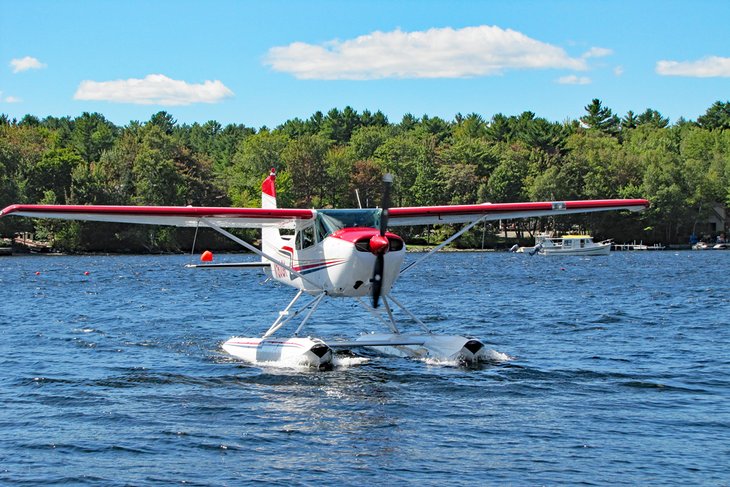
[
  {"x": 366, "y": 181},
  {"x": 507, "y": 182},
  {"x": 600, "y": 118},
  {"x": 716, "y": 117},
  {"x": 366, "y": 140},
  {"x": 156, "y": 179},
  {"x": 304, "y": 159},
  {"x": 339, "y": 164},
  {"x": 254, "y": 158},
  {"x": 324, "y": 160},
  {"x": 652, "y": 117},
  {"x": 91, "y": 135},
  {"x": 398, "y": 156},
  {"x": 53, "y": 172}
]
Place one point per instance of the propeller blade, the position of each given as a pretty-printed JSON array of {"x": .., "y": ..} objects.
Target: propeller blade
[
  {"x": 380, "y": 255},
  {"x": 378, "y": 279},
  {"x": 387, "y": 183}
]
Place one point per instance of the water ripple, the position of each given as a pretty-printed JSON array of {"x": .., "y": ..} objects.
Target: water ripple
[{"x": 609, "y": 371}]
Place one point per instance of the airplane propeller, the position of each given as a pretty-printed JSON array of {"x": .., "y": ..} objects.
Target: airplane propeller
[{"x": 379, "y": 244}]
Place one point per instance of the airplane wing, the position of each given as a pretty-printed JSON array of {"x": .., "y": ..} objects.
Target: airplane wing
[
  {"x": 225, "y": 217},
  {"x": 179, "y": 216},
  {"x": 429, "y": 215}
]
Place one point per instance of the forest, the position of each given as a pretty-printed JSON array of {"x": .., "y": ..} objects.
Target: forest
[{"x": 683, "y": 168}]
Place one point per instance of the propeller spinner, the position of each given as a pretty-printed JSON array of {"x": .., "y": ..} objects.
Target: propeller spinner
[{"x": 379, "y": 244}]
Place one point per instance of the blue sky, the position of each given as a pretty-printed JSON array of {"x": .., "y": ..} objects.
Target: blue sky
[{"x": 261, "y": 63}]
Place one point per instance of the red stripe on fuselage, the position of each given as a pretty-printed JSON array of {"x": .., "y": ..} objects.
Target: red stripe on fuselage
[{"x": 324, "y": 264}]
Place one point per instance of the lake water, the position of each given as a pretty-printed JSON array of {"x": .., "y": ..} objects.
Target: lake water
[{"x": 619, "y": 375}]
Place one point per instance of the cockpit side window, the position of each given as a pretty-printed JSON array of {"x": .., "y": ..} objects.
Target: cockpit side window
[
  {"x": 321, "y": 229},
  {"x": 306, "y": 238}
]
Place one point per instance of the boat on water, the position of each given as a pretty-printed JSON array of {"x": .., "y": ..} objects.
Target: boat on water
[
  {"x": 568, "y": 245},
  {"x": 706, "y": 246}
]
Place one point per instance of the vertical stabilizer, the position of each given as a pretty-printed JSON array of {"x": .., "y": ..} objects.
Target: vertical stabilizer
[
  {"x": 268, "y": 191},
  {"x": 270, "y": 236}
]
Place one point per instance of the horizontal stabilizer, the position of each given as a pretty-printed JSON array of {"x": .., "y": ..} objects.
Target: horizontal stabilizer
[{"x": 229, "y": 265}]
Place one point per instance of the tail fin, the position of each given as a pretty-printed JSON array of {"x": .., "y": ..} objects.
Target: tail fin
[
  {"x": 268, "y": 191},
  {"x": 270, "y": 237}
]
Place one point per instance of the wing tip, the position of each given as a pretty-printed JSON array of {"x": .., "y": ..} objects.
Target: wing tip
[
  {"x": 8, "y": 209},
  {"x": 642, "y": 204}
]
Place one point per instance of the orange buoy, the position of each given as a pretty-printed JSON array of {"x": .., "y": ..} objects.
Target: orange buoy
[
  {"x": 86, "y": 273},
  {"x": 38, "y": 273},
  {"x": 207, "y": 256}
]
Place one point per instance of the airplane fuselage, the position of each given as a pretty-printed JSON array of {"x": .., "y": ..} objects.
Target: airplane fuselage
[{"x": 341, "y": 263}]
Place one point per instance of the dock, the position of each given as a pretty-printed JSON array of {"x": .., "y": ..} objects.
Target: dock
[{"x": 637, "y": 246}]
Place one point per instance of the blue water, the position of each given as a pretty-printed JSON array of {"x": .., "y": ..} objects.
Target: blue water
[{"x": 620, "y": 375}]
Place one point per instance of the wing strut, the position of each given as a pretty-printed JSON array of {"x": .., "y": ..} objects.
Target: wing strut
[
  {"x": 390, "y": 323},
  {"x": 444, "y": 243},
  {"x": 413, "y": 317},
  {"x": 259, "y": 252},
  {"x": 286, "y": 316},
  {"x": 376, "y": 314}
]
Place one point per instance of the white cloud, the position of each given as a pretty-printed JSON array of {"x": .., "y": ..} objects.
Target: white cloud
[
  {"x": 26, "y": 63},
  {"x": 435, "y": 53},
  {"x": 9, "y": 99},
  {"x": 709, "y": 67},
  {"x": 153, "y": 89},
  {"x": 574, "y": 80},
  {"x": 597, "y": 52},
  {"x": 618, "y": 70}
]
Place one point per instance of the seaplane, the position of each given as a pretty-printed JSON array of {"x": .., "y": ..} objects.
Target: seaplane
[{"x": 332, "y": 254}]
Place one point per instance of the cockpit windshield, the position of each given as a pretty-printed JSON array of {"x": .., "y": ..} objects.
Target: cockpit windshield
[{"x": 329, "y": 221}]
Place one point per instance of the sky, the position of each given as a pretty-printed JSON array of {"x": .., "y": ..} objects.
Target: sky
[{"x": 260, "y": 63}]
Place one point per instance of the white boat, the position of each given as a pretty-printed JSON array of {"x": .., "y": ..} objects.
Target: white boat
[
  {"x": 706, "y": 246},
  {"x": 570, "y": 245}
]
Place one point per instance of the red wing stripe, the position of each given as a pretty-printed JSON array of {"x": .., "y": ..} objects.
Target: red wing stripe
[
  {"x": 513, "y": 207},
  {"x": 180, "y": 211}
]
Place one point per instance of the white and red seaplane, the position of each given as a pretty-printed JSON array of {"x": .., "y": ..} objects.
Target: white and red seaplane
[{"x": 342, "y": 253}]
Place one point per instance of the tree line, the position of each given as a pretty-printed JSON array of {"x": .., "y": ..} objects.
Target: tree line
[{"x": 682, "y": 168}]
